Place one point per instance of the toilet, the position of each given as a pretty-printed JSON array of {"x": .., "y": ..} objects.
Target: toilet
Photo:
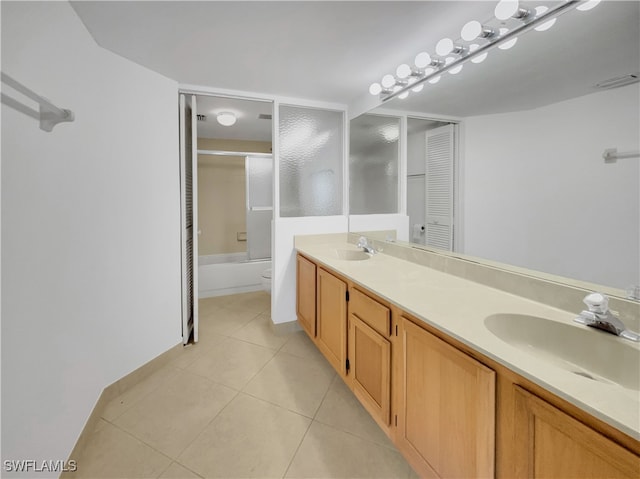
[{"x": 265, "y": 278}]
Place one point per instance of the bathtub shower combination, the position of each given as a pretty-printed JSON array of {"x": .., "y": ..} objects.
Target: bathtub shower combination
[
  {"x": 221, "y": 274},
  {"x": 231, "y": 273}
]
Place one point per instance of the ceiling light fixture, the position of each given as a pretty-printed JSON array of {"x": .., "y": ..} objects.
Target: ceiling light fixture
[
  {"x": 403, "y": 71},
  {"x": 486, "y": 36},
  {"x": 546, "y": 25},
  {"x": 226, "y": 118},
  {"x": 480, "y": 58},
  {"x": 509, "y": 44},
  {"x": 474, "y": 29},
  {"x": 506, "y": 9},
  {"x": 588, "y": 5}
]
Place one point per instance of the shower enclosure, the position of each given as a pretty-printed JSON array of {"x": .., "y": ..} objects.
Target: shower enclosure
[{"x": 222, "y": 272}]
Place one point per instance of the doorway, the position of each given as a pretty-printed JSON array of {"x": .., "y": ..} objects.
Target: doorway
[
  {"x": 231, "y": 190},
  {"x": 431, "y": 160}
]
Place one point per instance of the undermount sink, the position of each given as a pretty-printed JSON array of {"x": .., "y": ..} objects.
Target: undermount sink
[
  {"x": 351, "y": 255},
  {"x": 592, "y": 354}
]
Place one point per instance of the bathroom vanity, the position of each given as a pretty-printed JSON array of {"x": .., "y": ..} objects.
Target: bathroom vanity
[{"x": 424, "y": 353}]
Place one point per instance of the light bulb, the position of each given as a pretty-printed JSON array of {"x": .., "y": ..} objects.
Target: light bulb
[
  {"x": 456, "y": 70},
  {"x": 510, "y": 43},
  {"x": 471, "y": 30},
  {"x": 418, "y": 88},
  {"x": 226, "y": 118},
  {"x": 586, "y": 6},
  {"x": 546, "y": 25},
  {"x": 506, "y": 9},
  {"x": 388, "y": 81},
  {"x": 480, "y": 58},
  {"x": 449, "y": 60},
  {"x": 397, "y": 88},
  {"x": 435, "y": 80},
  {"x": 422, "y": 60},
  {"x": 428, "y": 71},
  {"x": 444, "y": 47},
  {"x": 375, "y": 89},
  {"x": 403, "y": 95},
  {"x": 403, "y": 71}
]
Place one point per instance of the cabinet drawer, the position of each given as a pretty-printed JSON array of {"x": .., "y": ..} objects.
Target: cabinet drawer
[{"x": 376, "y": 315}]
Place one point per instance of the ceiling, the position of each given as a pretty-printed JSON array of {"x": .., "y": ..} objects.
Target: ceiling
[
  {"x": 567, "y": 61},
  {"x": 247, "y": 127},
  {"x": 327, "y": 51},
  {"x": 333, "y": 50}
]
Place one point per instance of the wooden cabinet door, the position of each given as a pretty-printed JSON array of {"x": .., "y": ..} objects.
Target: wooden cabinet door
[
  {"x": 446, "y": 415},
  {"x": 550, "y": 443},
  {"x": 306, "y": 294},
  {"x": 370, "y": 368},
  {"x": 331, "y": 326}
]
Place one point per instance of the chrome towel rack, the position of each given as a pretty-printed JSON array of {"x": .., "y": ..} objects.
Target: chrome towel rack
[
  {"x": 611, "y": 155},
  {"x": 48, "y": 114}
]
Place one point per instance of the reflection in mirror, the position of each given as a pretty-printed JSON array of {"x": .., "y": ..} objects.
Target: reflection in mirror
[
  {"x": 431, "y": 158},
  {"x": 373, "y": 164},
  {"x": 535, "y": 191}
]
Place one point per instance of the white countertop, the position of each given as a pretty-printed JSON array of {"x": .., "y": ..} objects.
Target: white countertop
[{"x": 458, "y": 307}]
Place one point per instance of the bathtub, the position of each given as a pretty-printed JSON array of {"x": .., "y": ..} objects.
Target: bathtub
[{"x": 220, "y": 274}]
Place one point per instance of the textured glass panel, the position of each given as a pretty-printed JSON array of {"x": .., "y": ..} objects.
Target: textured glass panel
[
  {"x": 259, "y": 172},
  {"x": 311, "y": 150},
  {"x": 373, "y": 165}
]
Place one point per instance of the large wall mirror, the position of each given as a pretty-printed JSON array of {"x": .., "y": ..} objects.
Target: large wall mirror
[{"x": 531, "y": 188}]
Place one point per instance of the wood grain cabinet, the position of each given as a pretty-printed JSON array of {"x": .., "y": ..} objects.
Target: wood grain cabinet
[
  {"x": 550, "y": 443},
  {"x": 449, "y": 414},
  {"x": 369, "y": 339},
  {"x": 306, "y": 294},
  {"x": 446, "y": 417},
  {"x": 331, "y": 325}
]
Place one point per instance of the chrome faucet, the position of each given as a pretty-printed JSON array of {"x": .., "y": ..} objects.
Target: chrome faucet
[
  {"x": 600, "y": 316},
  {"x": 364, "y": 244}
]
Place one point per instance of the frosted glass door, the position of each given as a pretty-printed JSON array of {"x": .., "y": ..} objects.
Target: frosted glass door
[
  {"x": 311, "y": 152},
  {"x": 259, "y": 171},
  {"x": 373, "y": 165}
]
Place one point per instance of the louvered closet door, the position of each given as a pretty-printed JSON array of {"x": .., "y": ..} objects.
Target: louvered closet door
[
  {"x": 189, "y": 216},
  {"x": 439, "y": 187}
]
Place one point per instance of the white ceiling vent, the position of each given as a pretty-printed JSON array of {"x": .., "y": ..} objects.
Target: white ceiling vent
[{"x": 618, "y": 81}]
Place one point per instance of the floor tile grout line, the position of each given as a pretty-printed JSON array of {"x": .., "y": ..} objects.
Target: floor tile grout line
[
  {"x": 181, "y": 465},
  {"x": 337, "y": 377},
  {"x": 205, "y": 427},
  {"x": 277, "y": 405},
  {"x": 174, "y": 459},
  {"x": 307, "y": 431},
  {"x": 141, "y": 440},
  {"x": 392, "y": 449},
  {"x": 324, "y": 396},
  {"x": 144, "y": 396},
  {"x": 293, "y": 456}
]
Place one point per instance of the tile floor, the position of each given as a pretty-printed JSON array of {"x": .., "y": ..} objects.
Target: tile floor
[{"x": 243, "y": 402}]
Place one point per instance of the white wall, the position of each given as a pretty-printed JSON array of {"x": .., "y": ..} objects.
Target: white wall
[
  {"x": 381, "y": 222},
  {"x": 90, "y": 228},
  {"x": 538, "y": 193},
  {"x": 283, "y": 287},
  {"x": 416, "y": 185}
]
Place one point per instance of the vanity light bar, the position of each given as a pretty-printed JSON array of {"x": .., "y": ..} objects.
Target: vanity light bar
[{"x": 401, "y": 86}]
